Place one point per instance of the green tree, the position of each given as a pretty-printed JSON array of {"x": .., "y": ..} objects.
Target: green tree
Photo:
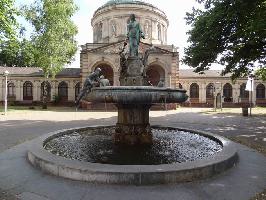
[
  {"x": 54, "y": 34},
  {"x": 261, "y": 73},
  {"x": 17, "y": 53},
  {"x": 8, "y": 22},
  {"x": 228, "y": 32}
]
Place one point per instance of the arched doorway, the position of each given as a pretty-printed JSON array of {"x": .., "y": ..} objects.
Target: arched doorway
[
  {"x": 11, "y": 90},
  {"x": 244, "y": 95},
  {"x": 194, "y": 93},
  {"x": 260, "y": 95},
  {"x": 155, "y": 73},
  {"x": 260, "y": 91},
  {"x": 107, "y": 71},
  {"x": 27, "y": 91},
  {"x": 228, "y": 92},
  {"x": 210, "y": 93},
  {"x": 63, "y": 91}
]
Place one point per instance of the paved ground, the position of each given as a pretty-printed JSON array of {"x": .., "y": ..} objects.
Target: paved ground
[{"x": 18, "y": 177}]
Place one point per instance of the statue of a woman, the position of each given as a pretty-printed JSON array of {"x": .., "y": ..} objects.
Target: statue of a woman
[{"x": 134, "y": 34}]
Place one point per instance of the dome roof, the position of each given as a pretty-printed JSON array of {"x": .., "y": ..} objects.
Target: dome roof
[{"x": 117, "y": 2}]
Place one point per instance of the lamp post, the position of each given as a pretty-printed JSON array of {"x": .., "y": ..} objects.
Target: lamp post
[
  {"x": 214, "y": 99},
  {"x": 5, "y": 75},
  {"x": 252, "y": 77}
]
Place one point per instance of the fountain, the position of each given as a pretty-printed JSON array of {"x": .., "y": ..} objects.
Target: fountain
[{"x": 132, "y": 151}]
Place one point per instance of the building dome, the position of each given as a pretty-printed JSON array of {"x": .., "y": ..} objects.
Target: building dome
[
  {"x": 109, "y": 21},
  {"x": 115, "y": 2}
]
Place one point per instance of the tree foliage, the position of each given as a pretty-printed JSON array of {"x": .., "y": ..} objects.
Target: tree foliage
[
  {"x": 228, "y": 32},
  {"x": 261, "y": 73},
  {"x": 8, "y": 22},
  {"x": 54, "y": 33},
  {"x": 17, "y": 53}
]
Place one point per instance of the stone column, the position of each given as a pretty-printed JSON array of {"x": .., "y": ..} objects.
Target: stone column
[
  {"x": 116, "y": 78},
  {"x": 35, "y": 90},
  {"x": 85, "y": 68},
  {"x": 168, "y": 80},
  {"x": 17, "y": 90},
  {"x": 53, "y": 92},
  {"x": 154, "y": 30},
  {"x": 21, "y": 89},
  {"x": 71, "y": 91},
  {"x": 254, "y": 93},
  {"x": 236, "y": 93},
  {"x": 186, "y": 85},
  {"x": 202, "y": 93}
]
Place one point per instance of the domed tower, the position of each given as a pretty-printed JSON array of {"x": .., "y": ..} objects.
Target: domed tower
[{"x": 109, "y": 22}]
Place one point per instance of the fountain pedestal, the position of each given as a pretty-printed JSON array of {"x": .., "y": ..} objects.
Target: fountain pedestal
[
  {"x": 133, "y": 75},
  {"x": 133, "y": 127}
]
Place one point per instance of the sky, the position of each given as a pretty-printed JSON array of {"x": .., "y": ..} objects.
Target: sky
[{"x": 174, "y": 10}]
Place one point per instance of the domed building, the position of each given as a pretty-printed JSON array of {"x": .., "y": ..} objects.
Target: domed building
[{"x": 109, "y": 23}]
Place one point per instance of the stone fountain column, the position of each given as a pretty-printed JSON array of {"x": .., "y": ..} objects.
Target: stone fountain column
[{"x": 133, "y": 127}]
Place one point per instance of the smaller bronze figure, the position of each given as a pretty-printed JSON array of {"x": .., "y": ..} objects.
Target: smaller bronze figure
[
  {"x": 104, "y": 81},
  {"x": 92, "y": 78},
  {"x": 123, "y": 60},
  {"x": 161, "y": 83}
]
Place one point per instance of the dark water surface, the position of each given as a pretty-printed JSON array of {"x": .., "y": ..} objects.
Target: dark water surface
[{"x": 169, "y": 146}]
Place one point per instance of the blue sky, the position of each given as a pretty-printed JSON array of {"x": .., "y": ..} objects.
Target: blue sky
[{"x": 175, "y": 11}]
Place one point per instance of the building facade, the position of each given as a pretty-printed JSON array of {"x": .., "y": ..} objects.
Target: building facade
[{"x": 109, "y": 23}]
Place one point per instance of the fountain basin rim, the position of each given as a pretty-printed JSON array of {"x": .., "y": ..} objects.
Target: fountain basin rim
[
  {"x": 132, "y": 174},
  {"x": 132, "y": 88},
  {"x": 136, "y": 94}
]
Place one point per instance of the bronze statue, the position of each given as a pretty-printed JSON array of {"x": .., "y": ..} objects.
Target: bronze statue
[
  {"x": 133, "y": 35},
  {"x": 92, "y": 78},
  {"x": 104, "y": 81},
  {"x": 123, "y": 60},
  {"x": 161, "y": 83}
]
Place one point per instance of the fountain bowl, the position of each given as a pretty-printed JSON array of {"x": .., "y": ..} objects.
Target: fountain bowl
[
  {"x": 136, "y": 95},
  {"x": 132, "y": 174}
]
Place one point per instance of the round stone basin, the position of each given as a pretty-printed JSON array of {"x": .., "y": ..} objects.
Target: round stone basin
[
  {"x": 209, "y": 155},
  {"x": 169, "y": 146},
  {"x": 137, "y": 95}
]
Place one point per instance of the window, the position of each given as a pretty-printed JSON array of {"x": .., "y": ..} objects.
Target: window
[
  {"x": 11, "y": 89},
  {"x": 27, "y": 90},
  {"x": 260, "y": 91},
  {"x": 243, "y": 93},
  {"x": 62, "y": 90},
  {"x": 194, "y": 90},
  {"x": 227, "y": 92},
  {"x": 209, "y": 90},
  {"x": 77, "y": 90},
  {"x": 46, "y": 92}
]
